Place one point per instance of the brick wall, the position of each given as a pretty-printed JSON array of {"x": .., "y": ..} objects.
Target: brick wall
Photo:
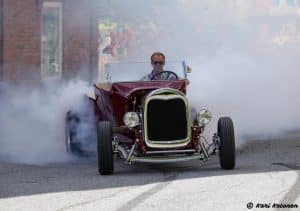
[{"x": 22, "y": 40}]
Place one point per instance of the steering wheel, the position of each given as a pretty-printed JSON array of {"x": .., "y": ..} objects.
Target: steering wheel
[{"x": 165, "y": 75}]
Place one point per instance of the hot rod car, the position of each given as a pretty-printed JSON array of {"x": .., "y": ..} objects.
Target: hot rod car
[{"x": 149, "y": 121}]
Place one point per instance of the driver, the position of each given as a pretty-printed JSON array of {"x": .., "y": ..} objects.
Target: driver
[{"x": 157, "y": 62}]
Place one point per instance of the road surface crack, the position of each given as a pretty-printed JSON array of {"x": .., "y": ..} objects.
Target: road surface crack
[
  {"x": 72, "y": 206},
  {"x": 167, "y": 179}
]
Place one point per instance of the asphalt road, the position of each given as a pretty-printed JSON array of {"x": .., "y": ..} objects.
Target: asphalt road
[{"x": 266, "y": 173}]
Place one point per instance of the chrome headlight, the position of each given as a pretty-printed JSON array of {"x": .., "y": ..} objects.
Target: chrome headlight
[
  {"x": 204, "y": 117},
  {"x": 131, "y": 119}
]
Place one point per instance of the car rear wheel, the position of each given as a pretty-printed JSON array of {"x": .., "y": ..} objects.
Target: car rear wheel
[
  {"x": 104, "y": 148},
  {"x": 71, "y": 124},
  {"x": 227, "y": 143}
]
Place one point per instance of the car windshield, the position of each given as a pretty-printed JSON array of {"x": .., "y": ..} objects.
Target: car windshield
[{"x": 135, "y": 71}]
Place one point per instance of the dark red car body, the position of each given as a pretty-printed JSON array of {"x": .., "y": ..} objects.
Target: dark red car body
[
  {"x": 148, "y": 121},
  {"x": 113, "y": 101}
]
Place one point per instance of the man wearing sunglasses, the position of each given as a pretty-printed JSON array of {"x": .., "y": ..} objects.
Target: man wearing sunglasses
[{"x": 157, "y": 62}]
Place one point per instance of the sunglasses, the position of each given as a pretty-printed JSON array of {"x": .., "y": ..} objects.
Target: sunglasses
[{"x": 158, "y": 62}]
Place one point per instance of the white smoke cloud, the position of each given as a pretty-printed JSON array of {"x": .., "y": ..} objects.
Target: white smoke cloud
[
  {"x": 259, "y": 94},
  {"x": 32, "y": 122}
]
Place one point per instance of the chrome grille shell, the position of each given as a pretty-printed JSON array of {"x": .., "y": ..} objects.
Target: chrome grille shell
[{"x": 166, "y": 94}]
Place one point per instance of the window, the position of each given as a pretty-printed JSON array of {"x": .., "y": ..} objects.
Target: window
[{"x": 51, "y": 40}]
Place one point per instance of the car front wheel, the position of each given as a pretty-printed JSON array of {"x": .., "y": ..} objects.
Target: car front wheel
[
  {"x": 104, "y": 148},
  {"x": 227, "y": 143}
]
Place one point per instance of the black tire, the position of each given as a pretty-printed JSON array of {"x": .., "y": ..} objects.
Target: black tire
[
  {"x": 227, "y": 143},
  {"x": 71, "y": 124},
  {"x": 104, "y": 148}
]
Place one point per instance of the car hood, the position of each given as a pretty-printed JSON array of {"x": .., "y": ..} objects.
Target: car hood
[{"x": 125, "y": 89}]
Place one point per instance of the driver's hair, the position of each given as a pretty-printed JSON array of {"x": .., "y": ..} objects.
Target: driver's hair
[{"x": 157, "y": 54}]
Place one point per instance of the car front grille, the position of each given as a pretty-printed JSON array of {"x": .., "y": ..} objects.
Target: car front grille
[{"x": 166, "y": 120}]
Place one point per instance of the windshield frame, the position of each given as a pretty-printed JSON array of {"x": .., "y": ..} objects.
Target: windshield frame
[{"x": 112, "y": 76}]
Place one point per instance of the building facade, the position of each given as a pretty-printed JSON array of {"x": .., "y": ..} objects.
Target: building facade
[{"x": 48, "y": 40}]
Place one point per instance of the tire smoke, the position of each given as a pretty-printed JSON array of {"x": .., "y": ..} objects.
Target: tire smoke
[
  {"x": 32, "y": 122},
  {"x": 260, "y": 94}
]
